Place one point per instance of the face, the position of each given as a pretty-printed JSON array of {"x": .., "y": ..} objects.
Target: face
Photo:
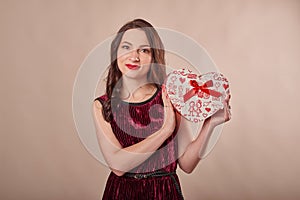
[{"x": 134, "y": 54}]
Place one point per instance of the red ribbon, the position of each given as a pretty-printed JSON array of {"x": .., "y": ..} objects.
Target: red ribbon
[{"x": 203, "y": 88}]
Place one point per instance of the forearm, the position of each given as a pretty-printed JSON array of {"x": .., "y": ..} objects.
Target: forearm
[
  {"x": 122, "y": 160},
  {"x": 196, "y": 149}
]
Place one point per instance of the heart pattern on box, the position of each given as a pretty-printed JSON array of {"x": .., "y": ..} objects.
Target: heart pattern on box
[{"x": 196, "y": 97}]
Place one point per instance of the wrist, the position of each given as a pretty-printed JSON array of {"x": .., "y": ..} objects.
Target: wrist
[
  {"x": 209, "y": 123},
  {"x": 166, "y": 131}
]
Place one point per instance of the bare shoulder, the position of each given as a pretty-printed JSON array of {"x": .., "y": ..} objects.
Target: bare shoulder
[{"x": 97, "y": 105}]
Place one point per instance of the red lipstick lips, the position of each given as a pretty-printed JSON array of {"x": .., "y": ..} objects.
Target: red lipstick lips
[{"x": 133, "y": 67}]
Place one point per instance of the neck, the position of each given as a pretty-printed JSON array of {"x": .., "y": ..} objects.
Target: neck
[
  {"x": 131, "y": 85},
  {"x": 136, "y": 89}
]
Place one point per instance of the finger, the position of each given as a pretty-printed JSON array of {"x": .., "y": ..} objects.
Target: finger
[
  {"x": 168, "y": 103},
  {"x": 165, "y": 98},
  {"x": 227, "y": 98},
  {"x": 164, "y": 93},
  {"x": 227, "y": 113}
]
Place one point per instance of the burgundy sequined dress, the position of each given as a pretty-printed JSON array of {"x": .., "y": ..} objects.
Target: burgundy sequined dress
[{"x": 131, "y": 124}]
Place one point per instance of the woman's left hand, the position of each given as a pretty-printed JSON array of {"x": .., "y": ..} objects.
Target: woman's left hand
[{"x": 221, "y": 116}]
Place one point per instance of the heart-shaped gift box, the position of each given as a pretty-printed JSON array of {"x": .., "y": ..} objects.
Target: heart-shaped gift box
[{"x": 196, "y": 97}]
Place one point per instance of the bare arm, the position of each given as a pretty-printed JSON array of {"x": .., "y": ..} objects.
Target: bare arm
[
  {"x": 193, "y": 150},
  {"x": 121, "y": 160}
]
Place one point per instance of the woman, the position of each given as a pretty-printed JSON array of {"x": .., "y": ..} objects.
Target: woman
[{"x": 137, "y": 128}]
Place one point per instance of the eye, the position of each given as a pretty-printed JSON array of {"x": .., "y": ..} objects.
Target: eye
[
  {"x": 125, "y": 46},
  {"x": 145, "y": 50}
]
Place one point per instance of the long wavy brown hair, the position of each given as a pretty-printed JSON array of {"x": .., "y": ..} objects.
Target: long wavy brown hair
[{"x": 157, "y": 70}]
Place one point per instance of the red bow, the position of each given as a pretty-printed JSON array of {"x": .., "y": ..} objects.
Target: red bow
[{"x": 203, "y": 88}]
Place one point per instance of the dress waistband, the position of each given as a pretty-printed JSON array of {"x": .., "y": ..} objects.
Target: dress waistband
[
  {"x": 156, "y": 174},
  {"x": 148, "y": 175}
]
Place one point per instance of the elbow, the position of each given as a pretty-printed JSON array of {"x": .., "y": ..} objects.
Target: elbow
[
  {"x": 117, "y": 172},
  {"x": 187, "y": 167},
  {"x": 188, "y": 170},
  {"x": 115, "y": 167}
]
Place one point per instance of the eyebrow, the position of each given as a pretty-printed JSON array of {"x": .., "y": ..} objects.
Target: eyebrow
[{"x": 143, "y": 45}]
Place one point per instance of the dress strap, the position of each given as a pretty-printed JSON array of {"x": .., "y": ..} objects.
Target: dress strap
[{"x": 101, "y": 99}]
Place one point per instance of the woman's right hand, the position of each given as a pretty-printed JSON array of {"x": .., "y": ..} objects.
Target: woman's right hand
[{"x": 169, "y": 114}]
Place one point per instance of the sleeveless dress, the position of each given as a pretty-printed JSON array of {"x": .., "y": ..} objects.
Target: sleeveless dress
[{"x": 132, "y": 122}]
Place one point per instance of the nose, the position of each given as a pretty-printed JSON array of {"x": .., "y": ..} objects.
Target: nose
[{"x": 134, "y": 55}]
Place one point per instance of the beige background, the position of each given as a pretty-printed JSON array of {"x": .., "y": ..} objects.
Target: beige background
[{"x": 255, "y": 43}]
